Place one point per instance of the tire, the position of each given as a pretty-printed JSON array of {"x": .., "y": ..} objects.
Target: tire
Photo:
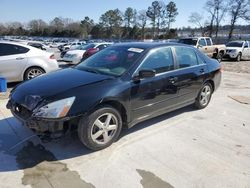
[
  {"x": 33, "y": 72},
  {"x": 220, "y": 56},
  {"x": 204, "y": 96},
  {"x": 93, "y": 132},
  {"x": 238, "y": 58}
]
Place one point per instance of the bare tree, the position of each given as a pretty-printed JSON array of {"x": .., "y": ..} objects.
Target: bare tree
[
  {"x": 37, "y": 27},
  {"x": 211, "y": 10},
  {"x": 239, "y": 9},
  {"x": 217, "y": 10},
  {"x": 142, "y": 21},
  {"x": 198, "y": 20}
]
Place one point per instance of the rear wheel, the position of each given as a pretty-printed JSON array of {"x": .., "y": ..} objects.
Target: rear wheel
[
  {"x": 204, "y": 96},
  {"x": 101, "y": 128},
  {"x": 33, "y": 72}
]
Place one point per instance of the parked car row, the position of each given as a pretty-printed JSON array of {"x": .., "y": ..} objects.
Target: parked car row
[
  {"x": 83, "y": 52},
  {"x": 236, "y": 50}
]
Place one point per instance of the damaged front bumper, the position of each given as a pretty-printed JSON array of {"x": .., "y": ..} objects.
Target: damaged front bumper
[{"x": 41, "y": 126}]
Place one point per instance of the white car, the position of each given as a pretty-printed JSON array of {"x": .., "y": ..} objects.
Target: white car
[
  {"x": 73, "y": 45},
  {"x": 238, "y": 50},
  {"x": 75, "y": 56},
  {"x": 20, "y": 62}
]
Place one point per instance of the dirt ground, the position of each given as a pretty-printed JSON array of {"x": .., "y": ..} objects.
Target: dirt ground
[{"x": 237, "y": 67}]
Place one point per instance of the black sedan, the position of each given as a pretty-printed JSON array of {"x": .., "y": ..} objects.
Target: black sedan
[{"x": 117, "y": 87}]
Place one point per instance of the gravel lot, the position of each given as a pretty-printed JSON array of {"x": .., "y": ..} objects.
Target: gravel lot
[{"x": 238, "y": 67}]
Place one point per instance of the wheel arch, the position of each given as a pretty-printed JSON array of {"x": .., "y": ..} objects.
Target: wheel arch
[
  {"x": 119, "y": 107},
  {"x": 34, "y": 66},
  {"x": 210, "y": 81}
]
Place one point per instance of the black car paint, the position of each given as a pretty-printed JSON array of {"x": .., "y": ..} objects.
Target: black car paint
[{"x": 137, "y": 100}]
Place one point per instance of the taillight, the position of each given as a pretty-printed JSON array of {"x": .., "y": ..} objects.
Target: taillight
[
  {"x": 92, "y": 50},
  {"x": 52, "y": 56}
]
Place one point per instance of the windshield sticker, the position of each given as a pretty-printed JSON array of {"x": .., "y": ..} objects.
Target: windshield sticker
[{"x": 137, "y": 50}]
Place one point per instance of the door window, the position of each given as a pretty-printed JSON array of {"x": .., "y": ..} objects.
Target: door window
[
  {"x": 202, "y": 42},
  {"x": 11, "y": 49},
  {"x": 186, "y": 57},
  {"x": 160, "y": 60},
  {"x": 209, "y": 43}
]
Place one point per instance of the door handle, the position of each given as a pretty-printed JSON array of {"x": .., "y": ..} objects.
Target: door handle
[
  {"x": 202, "y": 71},
  {"x": 172, "y": 80},
  {"x": 19, "y": 58}
]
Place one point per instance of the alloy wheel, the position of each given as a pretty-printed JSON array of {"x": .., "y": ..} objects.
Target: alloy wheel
[
  {"x": 34, "y": 72},
  {"x": 205, "y": 95},
  {"x": 104, "y": 128}
]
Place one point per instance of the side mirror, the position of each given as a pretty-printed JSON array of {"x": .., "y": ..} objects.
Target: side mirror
[
  {"x": 245, "y": 46},
  {"x": 144, "y": 74},
  {"x": 199, "y": 46}
]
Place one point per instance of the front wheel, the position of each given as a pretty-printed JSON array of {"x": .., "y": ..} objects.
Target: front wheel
[
  {"x": 101, "y": 128},
  {"x": 33, "y": 72},
  {"x": 204, "y": 96},
  {"x": 220, "y": 56},
  {"x": 238, "y": 58}
]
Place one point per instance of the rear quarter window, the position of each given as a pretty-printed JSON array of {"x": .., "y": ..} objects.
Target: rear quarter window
[{"x": 12, "y": 49}]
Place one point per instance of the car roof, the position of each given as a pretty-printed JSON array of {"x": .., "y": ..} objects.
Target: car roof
[
  {"x": 16, "y": 43},
  {"x": 148, "y": 45}
]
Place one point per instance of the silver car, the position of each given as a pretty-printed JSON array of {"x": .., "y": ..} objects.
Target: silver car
[{"x": 20, "y": 62}]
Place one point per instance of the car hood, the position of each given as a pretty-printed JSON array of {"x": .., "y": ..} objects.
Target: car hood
[
  {"x": 30, "y": 93},
  {"x": 233, "y": 48}
]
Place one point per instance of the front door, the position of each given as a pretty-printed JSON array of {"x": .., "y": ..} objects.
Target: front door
[{"x": 151, "y": 95}]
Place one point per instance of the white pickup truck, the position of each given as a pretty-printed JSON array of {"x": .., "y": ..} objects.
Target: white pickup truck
[
  {"x": 205, "y": 44},
  {"x": 238, "y": 50}
]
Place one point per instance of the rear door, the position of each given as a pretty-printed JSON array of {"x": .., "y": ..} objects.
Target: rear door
[
  {"x": 191, "y": 73},
  {"x": 12, "y": 61},
  {"x": 152, "y": 95}
]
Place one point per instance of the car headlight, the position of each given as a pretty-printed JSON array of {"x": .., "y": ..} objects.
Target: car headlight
[{"x": 57, "y": 109}]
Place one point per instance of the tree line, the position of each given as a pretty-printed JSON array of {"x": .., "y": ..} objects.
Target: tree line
[
  {"x": 154, "y": 22},
  {"x": 131, "y": 24},
  {"x": 219, "y": 10}
]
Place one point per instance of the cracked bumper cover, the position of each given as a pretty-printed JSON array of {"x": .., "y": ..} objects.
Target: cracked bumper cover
[{"x": 40, "y": 125}]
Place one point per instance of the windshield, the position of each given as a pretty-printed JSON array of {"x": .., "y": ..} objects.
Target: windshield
[
  {"x": 192, "y": 42},
  {"x": 85, "y": 47},
  {"x": 111, "y": 61},
  {"x": 234, "y": 44}
]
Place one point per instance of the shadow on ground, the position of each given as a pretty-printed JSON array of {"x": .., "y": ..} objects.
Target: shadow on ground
[{"x": 30, "y": 154}]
